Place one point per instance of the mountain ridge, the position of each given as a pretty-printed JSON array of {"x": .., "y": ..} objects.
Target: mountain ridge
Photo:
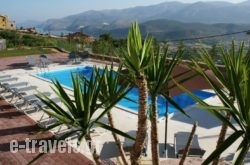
[
  {"x": 168, "y": 30},
  {"x": 96, "y": 22}
]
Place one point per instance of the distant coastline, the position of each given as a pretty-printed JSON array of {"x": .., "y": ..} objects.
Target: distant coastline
[{"x": 53, "y": 32}]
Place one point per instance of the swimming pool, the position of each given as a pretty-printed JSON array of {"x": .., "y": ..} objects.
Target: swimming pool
[{"x": 184, "y": 100}]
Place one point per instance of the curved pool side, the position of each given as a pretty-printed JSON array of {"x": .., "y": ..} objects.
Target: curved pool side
[{"x": 183, "y": 99}]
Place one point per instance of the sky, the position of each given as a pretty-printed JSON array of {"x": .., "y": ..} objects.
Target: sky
[{"x": 41, "y": 10}]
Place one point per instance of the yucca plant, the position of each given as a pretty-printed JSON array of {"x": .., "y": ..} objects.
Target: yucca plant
[
  {"x": 158, "y": 74},
  {"x": 233, "y": 89},
  {"x": 231, "y": 58},
  {"x": 136, "y": 59},
  {"x": 112, "y": 89},
  {"x": 79, "y": 110}
]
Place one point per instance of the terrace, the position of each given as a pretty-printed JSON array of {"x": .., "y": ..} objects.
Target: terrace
[{"x": 207, "y": 131}]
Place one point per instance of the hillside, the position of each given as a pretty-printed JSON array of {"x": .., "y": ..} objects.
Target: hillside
[
  {"x": 202, "y": 12},
  {"x": 167, "y": 30},
  {"x": 167, "y": 21}
]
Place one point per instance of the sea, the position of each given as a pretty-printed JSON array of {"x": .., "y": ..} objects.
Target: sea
[{"x": 53, "y": 32}]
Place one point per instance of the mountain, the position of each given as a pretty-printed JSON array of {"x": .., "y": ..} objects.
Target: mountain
[
  {"x": 199, "y": 17},
  {"x": 168, "y": 30}
]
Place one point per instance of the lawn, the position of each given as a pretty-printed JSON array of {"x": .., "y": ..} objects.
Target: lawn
[{"x": 24, "y": 52}]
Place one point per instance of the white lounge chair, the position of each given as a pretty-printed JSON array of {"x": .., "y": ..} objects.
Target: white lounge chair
[
  {"x": 44, "y": 61},
  {"x": 7, "y": 88},
  {"x": 31, "y": 61},
  {"x": 180, "y": 142},
  {"x": 128, "y": 143},
  {"x": 17, "y": 92},
  {"x": 24, "y": 100},
  {"x": 5, "y": 81},
  {"x": 5, "y": 76}
]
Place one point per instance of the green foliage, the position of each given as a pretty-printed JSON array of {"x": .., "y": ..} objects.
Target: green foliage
[
  {"x": 137, "y": 57},
  {"x": 31, "y": 40},
  {"x": 213, "y": 51},
  {"x": 102, "y": 47},
  {"x": 87, "y": 105},
  {"x": 188, "y": 51},
  {"x": 11, "y": 36},
  {"x": 233, "y": 89},
  {"x": 106, "y": 37},
  {"x": 24, "y": 51},
  {"x": 160, "y": 72},
  {"x": 65, "y": 44},
  {"x": 107, "y": 45},
  {"x": 15, "y": 39}
]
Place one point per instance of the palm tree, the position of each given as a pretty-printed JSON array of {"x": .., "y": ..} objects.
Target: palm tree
[
  {"x": 232, "y": 58},
  {"x": 233, "y": 89},
  {"x": 111, "y": 88},
  {"x": 80, "y": 109},
  {"x": 158, "y": 75},
  {"x": 136, "y": 59}
]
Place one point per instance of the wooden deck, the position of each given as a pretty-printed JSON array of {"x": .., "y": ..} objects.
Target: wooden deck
[{"x": 15, "y": 125}]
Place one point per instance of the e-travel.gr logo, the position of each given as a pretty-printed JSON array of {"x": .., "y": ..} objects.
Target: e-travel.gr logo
[{"x": 51, "y": 146}]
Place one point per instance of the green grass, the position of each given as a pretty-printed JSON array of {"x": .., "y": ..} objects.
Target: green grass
[{"x": 24, "y": 52}]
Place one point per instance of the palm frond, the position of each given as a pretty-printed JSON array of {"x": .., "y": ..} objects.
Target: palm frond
[
  {"x": 228, "y": 142},
  {"x": 107, "y": 127}
]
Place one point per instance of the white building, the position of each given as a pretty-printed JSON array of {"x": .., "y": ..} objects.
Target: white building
[{"x": 2, "y": 44}]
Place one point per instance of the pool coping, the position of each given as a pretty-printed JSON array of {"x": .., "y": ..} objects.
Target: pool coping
[{"x": 131, "y": 111}]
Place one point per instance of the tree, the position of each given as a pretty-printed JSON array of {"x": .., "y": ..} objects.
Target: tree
[
  {"x": 158, "y": 74},
  {"x": 80, "y": 109},
  {"x": 213, "y": 52},
  {"x": 106, "y": 37},
  {"x": 231, "y": 58},
  {"x": 136, "y": 59},
  {"x": 233, "y": 89},
  {"x": 112, "y": 88}
]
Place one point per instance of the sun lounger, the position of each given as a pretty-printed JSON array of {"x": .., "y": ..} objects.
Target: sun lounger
[
  {"x": 128, "y": 143},
  {"x": 8, "y": 79},
  {"x": 32, "y": 104},
  {"x": 35, "y": 105},
  {"x": 44, "y": 61},
  {"x": 33, "y": 97},
  {"x": 180, "y": 142},
  {"x": 39, "y": 104},
  {"x": 63, "y": 129},
  {"x": 5, "y": 76},
  {"x": 46, "y": 120},
  {"x": 7, "y": 88},
  {"x": 18, "y": 92},
  {"x": 5, "y": 81},
  {"x": 31, "y": 61},
  {"x": 30, "y": 98},
  {"x": 24, "y": 100}
]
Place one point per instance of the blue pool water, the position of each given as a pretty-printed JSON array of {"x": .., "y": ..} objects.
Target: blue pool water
[{"x": 183, "y": 100}]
